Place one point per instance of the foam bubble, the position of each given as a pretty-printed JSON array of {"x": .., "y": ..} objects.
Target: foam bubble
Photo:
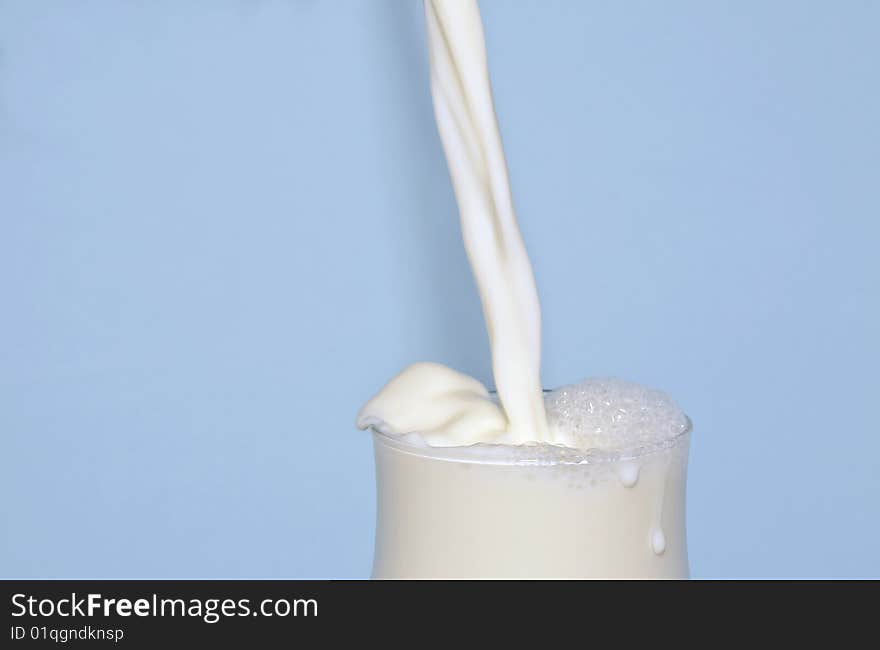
[{"x": 612, "y": 414}]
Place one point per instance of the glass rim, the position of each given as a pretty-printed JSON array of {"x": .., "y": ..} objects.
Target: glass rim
[{"x": 529, "y": 454}]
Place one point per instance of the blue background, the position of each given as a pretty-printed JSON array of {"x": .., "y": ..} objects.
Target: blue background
[{"x": 223, "y": 225}]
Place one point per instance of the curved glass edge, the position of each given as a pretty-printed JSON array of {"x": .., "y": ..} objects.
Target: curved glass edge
[{"x": 530, "y": 454}]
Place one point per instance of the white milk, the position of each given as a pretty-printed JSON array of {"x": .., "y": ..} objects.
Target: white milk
[
  {"x": 540, "y": 510},
  {"x": 466, "y": 120},
  {"x": 448, "y": 515},
  {"x": 588, "y": 484}
]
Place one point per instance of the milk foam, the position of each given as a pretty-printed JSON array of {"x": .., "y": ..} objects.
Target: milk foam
[{"x": 611, "y": 414}]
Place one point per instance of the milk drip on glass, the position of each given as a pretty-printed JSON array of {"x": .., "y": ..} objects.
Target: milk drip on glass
[{"x": 586, "y": 481}]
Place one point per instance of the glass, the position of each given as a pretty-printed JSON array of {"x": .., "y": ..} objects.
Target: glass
[{"x": 535, "y": 511}]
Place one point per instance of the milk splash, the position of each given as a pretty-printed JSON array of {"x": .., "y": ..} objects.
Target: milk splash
[{"x": 431, "y": 398}]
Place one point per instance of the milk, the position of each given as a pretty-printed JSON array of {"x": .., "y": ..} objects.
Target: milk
[
  {"x": 587, "y": 481},
  {"x": 442, "y": 514},
  {"x": 542, "y": 510},
  {"x": 466, "y": 121}
]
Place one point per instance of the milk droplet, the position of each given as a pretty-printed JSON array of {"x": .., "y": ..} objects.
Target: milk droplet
[
  {"x": 658, "y": 541},
  {"x": 628, "y": 473}
]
